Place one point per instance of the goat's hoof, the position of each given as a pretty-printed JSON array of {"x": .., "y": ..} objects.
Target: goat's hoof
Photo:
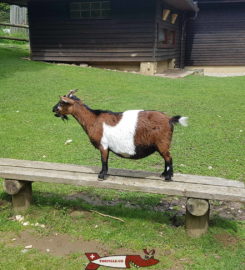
[
  {"x": 101, "y": 176},
  {"x": 167, "y": 177}
]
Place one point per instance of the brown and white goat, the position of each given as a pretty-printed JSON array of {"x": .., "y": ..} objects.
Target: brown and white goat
[{"x": 131, "y": 134}]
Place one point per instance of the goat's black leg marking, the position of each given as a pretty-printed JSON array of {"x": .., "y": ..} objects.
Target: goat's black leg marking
[
  {"x": 104, "y": 170},
  {"x": 168, "y": 170},
  {"x": 104, "y": 161}
]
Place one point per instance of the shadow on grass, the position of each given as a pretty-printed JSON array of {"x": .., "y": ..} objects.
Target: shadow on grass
[
  {"x": 120, "y": 210},
  {"x": 4, "y": 196},
  {"x": 13, "y": 62},
  {"x": 227, "y": 224}
]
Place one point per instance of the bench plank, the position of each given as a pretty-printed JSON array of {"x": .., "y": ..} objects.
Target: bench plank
[
  {"x": 204, "y": 180},
  {"x": 136, "y": 182}
]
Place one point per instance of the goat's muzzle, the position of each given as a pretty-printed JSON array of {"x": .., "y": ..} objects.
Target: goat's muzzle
[{"x": 58, "y": 114}]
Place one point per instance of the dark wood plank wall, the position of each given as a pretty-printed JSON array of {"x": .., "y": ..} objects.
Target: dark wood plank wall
[
  {"x": 217, "y": 36},
  {"x": 162, "y": 54},
  {"x": 127, "y": 36}
]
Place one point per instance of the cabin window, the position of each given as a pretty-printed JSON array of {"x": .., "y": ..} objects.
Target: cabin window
[
  {"x": 162, "y": 36},
  {"x": 166, "y": 38},
  {"x": 90, "y": 9}
]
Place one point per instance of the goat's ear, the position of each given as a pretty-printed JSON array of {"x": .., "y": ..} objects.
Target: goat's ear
[{"x": 67, "y": 100}]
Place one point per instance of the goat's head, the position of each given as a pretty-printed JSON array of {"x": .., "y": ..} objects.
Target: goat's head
[{"x": 65, "y": 105}]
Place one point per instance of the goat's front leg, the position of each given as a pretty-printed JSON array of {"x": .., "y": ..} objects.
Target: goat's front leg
[{"x": 104, "y": 160}]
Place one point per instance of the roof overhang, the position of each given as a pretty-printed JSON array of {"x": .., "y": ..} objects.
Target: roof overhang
[
  {"x": 187, "y": 5},
  {"x": 220, "y": 1}
]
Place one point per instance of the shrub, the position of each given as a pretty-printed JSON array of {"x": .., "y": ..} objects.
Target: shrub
[{"x": 4, "y": 12}]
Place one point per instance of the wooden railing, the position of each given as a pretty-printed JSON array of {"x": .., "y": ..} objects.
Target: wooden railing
[{"x": 14, "y": 25}]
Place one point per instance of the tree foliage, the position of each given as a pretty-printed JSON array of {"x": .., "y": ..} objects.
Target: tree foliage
[{"x": 4, "y": 12}]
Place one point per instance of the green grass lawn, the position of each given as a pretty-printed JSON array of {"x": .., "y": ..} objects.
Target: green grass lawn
[{"x": 215, "y": 137}]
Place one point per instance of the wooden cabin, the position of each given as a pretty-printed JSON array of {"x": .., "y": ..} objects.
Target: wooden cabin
[
  {"x": 217, "y": 36},
  {"x": 146, "y": 35}
]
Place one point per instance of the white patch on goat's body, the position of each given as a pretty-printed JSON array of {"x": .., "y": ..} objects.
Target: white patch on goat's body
[
  {"x": 168, "y": 168},
  {"x": 120, "y": 138},
  {"x": 183, "y": 121}
]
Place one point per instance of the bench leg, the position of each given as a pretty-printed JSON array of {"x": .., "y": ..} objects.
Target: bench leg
[
  {"x": 21, "y": 192},
  {"x": 197, "y": 217}
]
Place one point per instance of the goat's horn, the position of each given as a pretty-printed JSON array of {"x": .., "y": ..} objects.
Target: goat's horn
[{"x": 71, "y": 92}]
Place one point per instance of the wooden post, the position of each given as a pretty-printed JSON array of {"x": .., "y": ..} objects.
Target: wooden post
[
  {"x": 197, "y": 217},
  {"x": 21, "y": 192}
]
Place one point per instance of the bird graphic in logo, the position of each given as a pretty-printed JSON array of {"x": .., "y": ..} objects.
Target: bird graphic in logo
[{"x": 121, "y": 261}]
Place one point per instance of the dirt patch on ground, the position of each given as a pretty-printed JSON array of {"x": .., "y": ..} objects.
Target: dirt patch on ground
[
  {"x": 56, "y": 244},
  {"x": 172, "y": 204},
  {"x": 59, "y": 244},
  {"x": 64, "y": 245},
  {"x": 226, "y": 239},
  {"x": 6, "y": 236}
]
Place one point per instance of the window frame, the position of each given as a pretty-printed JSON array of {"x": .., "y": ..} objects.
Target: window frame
[
  {"x": 90, "y": 9},
  {"x": 167, "y": 43}
]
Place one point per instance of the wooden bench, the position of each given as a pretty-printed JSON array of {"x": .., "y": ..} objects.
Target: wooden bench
[{"x": 19, "y": 174}]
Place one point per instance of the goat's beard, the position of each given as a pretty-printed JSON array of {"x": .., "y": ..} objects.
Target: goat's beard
[{"x": 62, "y": 116}]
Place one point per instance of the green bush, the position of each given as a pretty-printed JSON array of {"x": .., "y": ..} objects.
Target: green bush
[{"x": 4, "y": 12}]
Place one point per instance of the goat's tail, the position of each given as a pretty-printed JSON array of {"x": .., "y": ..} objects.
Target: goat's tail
[{"x": 179, "y": 119}]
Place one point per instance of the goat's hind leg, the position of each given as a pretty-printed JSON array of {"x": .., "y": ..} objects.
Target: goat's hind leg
[
  {"x": 168, "y": 170},
  {"x": 104, "y": 160}
]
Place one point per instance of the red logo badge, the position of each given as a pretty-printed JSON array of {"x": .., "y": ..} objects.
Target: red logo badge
[{"x": 121, "y": 261}]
